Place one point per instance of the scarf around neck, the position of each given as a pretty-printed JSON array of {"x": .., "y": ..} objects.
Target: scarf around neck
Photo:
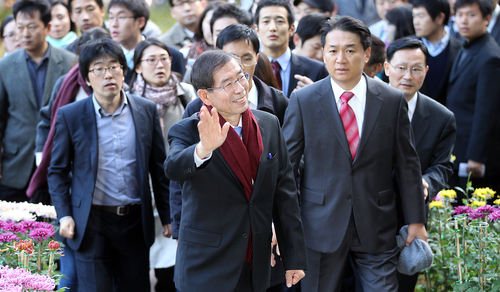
[{"x": 243, "y": 156}]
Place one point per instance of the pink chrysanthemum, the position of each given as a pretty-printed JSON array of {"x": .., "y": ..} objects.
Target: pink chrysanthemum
[
  {"x": 486, "y": 209},
  {"x": 494, "y": 216},
  {"x": 8, "y": 237},
  {"x": 16, "y": 227},
  {"x": 39, "y": 234},
  {"x": 29, "y": 224},
  {"x": 462, "y": 210},
  {"x": 44, "y": 225},
  {"x": 476, "y": 215}
]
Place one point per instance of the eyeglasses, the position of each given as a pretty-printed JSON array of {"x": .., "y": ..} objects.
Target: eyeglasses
[
  {"x": 115, "y": 69},
  {"x": 229, "y": 87},
  {"x": 10, "y": 36},
  {"x": 402, "y": 70},
  {"x": 119, "y": 18},
  {"x": 181, "y": 3},
  {"x": 154, "y": 61}
]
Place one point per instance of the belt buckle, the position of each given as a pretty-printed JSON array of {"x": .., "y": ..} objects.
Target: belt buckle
[{"x": 122, "y": 210}]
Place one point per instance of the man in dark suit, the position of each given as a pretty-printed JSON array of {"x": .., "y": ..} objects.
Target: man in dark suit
[
  {"x": 433, "y": 124},
  {"x": 348, "y": 200},
  {"x": 274, "y": 24},
  {"x": 26, "y": 82},
  {"x": 473, "y": 96},
  {"x": 429, "y": 19},
  {"x": 236, "y": 178},
  {"x": 106, "y": 149}
]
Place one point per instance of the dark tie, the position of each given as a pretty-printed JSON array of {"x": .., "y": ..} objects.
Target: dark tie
[
  {"x": 350, "y": 123},
  {"x": 276, "y": 69}
]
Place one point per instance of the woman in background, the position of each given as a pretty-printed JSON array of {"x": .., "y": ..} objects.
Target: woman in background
[
  {"x": 9, "y": 35},
  {"x": 155, "y": 81},
  {"x": 400, "y": 23},
  {"x": 203, "y": 36},
  {"x": 62, "y": 30}
]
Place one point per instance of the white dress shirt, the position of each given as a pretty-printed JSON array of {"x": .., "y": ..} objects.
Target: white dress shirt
[
  {"x": 412, "y": 105},
  {"x": 253, "y": 96},
  {"x": 357, "y": 102}
]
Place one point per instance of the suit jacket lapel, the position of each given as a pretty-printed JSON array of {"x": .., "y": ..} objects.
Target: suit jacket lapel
[
  {"x": 259, "y": 180},
  {"x": 419, "y": 120},
  {"x": 22, "y": 73},
  {"x": 326, "y": 103},
  {"x": 54, "y": 71},
  {"x": 372, "y": 109},
  {"x": 140, "y": 119},
  {"x": 89, "y": 125},
  {"x": 221, "y": 157}
]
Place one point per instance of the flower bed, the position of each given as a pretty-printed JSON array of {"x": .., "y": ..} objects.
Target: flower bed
[
  {"x": 465, "y": 241},
  {"x": 27, "y": 248}
]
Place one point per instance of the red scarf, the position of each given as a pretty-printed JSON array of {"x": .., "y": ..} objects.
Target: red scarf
[
  {"x": 243, "y": 156},
  {"x": 67, "y": 94}
]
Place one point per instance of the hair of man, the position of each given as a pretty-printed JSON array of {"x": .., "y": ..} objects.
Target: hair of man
[
  {"x": 485, "y": 6},
  {"x": 378, "y": 51},
  {"x": 30, "y": 6},
  {"x": 404, "y": 44},
  {"x": 348, "y": 24},
  {"x": 139, "y": 8},
  {"x": 92, "y": 34},
  {"x": 100, "y": 48},
  {"x": 322, "y": 5},
  {"x": 434, "y": 8},
  {"x": 236, "y": 32},
  {"x": 281, "y": 3},
  {"x": 310, "y": 26},
  {"x": 98, "y": 2},
  {"x": 207, "y": 65},
  {"x": 230, "y": 11}
]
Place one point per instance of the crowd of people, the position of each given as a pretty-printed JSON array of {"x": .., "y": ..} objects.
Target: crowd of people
[{"x": 271, "y": 145}]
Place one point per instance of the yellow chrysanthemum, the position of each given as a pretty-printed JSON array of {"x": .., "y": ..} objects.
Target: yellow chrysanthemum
[
  {"x": 484, "y": 193},
  {"x": 496, "y": 202},
  {"x": 436, "y": 204},
  {"x": 453, "y": 158},
  {"x": 475, "y": 203},
  {"x": 449, "y": 194}
]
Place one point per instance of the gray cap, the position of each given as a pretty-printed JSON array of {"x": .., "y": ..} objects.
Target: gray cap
[
  {"x": 325, "y": 5},
  {"x": 414, "y": 258}
]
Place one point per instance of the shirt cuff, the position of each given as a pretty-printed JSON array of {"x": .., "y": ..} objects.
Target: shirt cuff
[
  {"x": 63, "y": 218},
  {"x": 38, "y": 158},
  {"x": 199, "y": 161}
]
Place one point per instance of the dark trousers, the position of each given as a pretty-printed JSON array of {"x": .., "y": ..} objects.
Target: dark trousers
[
  {"x": 377, "y": 272},
  {"x": 165, "y": 279},
  {"x": 12, "y": 195},
  {"x": 113, "y": 255}
]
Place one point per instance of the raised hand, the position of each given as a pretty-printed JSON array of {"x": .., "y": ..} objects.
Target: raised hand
[{"x": 212, "y": 135}]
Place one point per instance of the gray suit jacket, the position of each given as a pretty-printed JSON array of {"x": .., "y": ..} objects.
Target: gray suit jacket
[
  {"x": 368, "y": 14},
  {"x": 19, "y": 112},
  {"x": 334, "y": 187},
  {"x": 175, "y": 37}
]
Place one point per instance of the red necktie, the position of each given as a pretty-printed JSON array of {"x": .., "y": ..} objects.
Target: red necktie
[
  {"x": 349, "y": 121},
  {"x": 276, "y": 69}
]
